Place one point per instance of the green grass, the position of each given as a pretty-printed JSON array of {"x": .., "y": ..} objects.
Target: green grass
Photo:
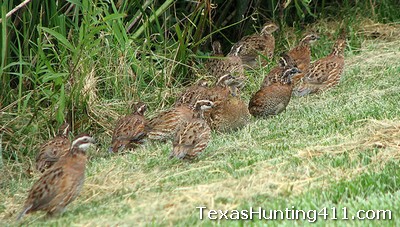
[{"x": 338, "y": 149}]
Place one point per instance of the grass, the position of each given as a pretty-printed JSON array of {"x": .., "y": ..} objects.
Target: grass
[{"x": 338, "y": 149}]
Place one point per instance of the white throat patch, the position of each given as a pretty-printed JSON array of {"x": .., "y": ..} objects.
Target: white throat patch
[{"x": 83, "y": 146}]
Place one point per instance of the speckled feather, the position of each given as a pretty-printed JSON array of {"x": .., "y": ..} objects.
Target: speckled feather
[
  {"x": 218, "y": 65},
  {"x": 250, "y": 47},
  {"x": 165, "y": 125},
  {"x": 191, "y": 139},
  {"x": 229, "y": 115},
  {"x": 60, "y": 184},
  {"x": 191, "y": 94},
  {"x": 301, "y": 54},
  {"x": 324, "y": 73},
  {"x": 52, "y": 150},
  {"x": 192, "y": 136},
  {"x": 273, "y": 99},
  {"x": 129, "y": 130},
  {"x": 275, "y": 74}
]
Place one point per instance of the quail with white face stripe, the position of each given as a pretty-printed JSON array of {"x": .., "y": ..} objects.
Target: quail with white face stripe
[
  {"x": 129, "y": 130},
  {"x": 60, "y": 184},
  {"x": 192, "y": 136}
]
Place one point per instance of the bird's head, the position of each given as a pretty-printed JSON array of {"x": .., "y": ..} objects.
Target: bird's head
[{"x": 83, "y": 142}]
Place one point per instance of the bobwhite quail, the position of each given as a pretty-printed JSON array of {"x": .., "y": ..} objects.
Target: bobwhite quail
[
  {"x": 325, "y": 73},
  {"x": 164, "y": 125},
  {"x": 60, "y": 184},
  {"x": 192, "y": 136},
  {"x": 50, "y": 152},
  {"x": 275, "y": 74},
  {"x": 129, "y": 130},
  {"x": 249, "y": 48},
  {"x": 301, "y": 54},
  {"x": 273, "y": 99},
  {"x": 218, "y": 65},
  {"x": 192, "y": 93},
  {"x": 229, "y": 115},
  {"x": 226, "y": 86}
]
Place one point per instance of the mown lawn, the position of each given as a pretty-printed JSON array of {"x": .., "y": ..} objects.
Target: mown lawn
[{"x": 340, "y": 149}]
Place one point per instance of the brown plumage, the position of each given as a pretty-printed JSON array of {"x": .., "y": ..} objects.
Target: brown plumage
[
  {"x": 222, "y": 92},
  {"x": 325, "y": 73},
  {"x": 164, "y": 125},
  {"x": 226, "y": 86},
  {"x": 50, "y": 152},
  {"x": 193, "y": 135},
  {"x": 249, "y": 48},
  {"x": 301, "y": 54},
  {"x": 129, "y": 130},
  {"x": 60, "y": 184},
  {"x": 229, "y": 112},
  {"x": 274, "y": 76},
  {"x": 218, "y": 65},
  {"x": 229, "y": 115},
  {"x": 192, "y": 93},
  {"x": 273, "y": 99}
]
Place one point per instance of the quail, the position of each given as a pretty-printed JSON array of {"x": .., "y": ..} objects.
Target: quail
[
  {"x": 229, "y": 112},
  {"x": 61, "y": 183},
  {"x": 273, "y": 99},
  {"x": 325, "y": 73},
  {"x": 164, "y": 126},
  {"x": 218, "y": 65},
  {"x": 301, "y": 54},
  {"x": 229, "y": 115},
  {"x": 275, "y": 74},
  {"x": 129, "y": 130},
  {"x": 249, "y": 48},
  {"x": 193, "y": 93},
  {"x": 192, "y": 136},
  {"x": 225, "y": 87},
  {"x": 50, "y": 152}
]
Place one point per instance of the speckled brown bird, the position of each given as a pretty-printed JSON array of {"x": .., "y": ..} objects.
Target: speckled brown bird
[
  {"x": 193, "y": 93},
  {"x": 225, "y": 87},
  {"x": 229, "y": 115},
  {"x": 229, "y": 112},
  {"x": 164, "y": 126},
  {"x": 325, "y": 73},
  {"x": 275, "y": 74},
  {"x": 192, "y": 136},
  {"x": 218, "y": 65},
  {"x": 60, "y": 184},
  {"x": 249, "y": 48},
  {"x": 50, "y": 152},
  {"x": 273, "y": 99},
  {"x": 129, "y": 130},
  {"x": 301, "y": 54}
]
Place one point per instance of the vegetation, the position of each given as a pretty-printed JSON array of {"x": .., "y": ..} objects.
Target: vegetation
[{"x": 85, "y": 61}]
